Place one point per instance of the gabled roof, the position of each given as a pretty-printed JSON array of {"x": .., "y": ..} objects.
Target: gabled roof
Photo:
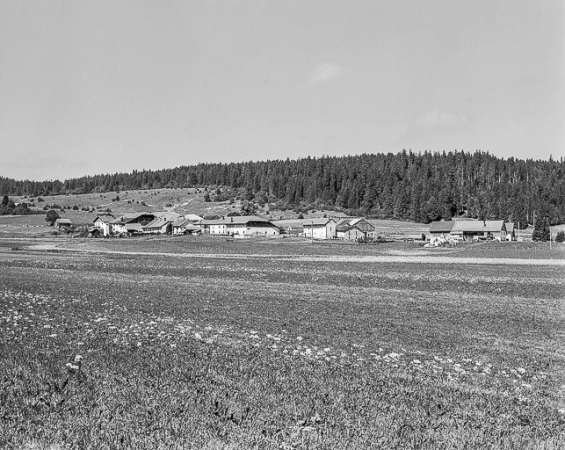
[
  {"x": 442, "y": 226},
  {"x": 134, "y": 227},
  {"x": 509, "y": 227},
  {"x": 105, "y": 219},
  {"x": 181, "y": 223},
  {"x": 159, "y": 222},
  {"x": 193, "y": 217},
  {"x": 64, "y": 222},
  {"x": 126, "y": 218},
  {"x": 236, "y": 220},
  {"x": 317, "y": 222},
  {"x": 353, "y": 221},
  {"x": 478, "y": 226}
]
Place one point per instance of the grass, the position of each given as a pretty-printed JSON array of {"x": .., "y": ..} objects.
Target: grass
[{"x": 225, "y": 351}]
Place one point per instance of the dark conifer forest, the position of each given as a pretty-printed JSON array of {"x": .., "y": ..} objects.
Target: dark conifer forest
[{"x": 418, "y": 187}]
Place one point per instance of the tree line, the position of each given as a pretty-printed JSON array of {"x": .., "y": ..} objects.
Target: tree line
[{"x": 420, "y": 187}]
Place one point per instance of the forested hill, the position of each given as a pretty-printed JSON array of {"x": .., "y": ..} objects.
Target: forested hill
[{"x": 418, "y": 187}]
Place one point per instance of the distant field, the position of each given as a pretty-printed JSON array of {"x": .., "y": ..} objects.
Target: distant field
[{"x": 277, "y": 345}]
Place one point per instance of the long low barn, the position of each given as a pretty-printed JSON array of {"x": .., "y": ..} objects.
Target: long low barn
[
  {"x": 241, "y": 226},
  {"x": 468, "y": 230}
]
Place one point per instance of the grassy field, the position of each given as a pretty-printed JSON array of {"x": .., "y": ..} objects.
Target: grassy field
[{"x": 188, "y": 343}]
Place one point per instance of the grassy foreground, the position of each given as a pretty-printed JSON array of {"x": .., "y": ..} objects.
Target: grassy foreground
[{"x": 238, "y": 352}]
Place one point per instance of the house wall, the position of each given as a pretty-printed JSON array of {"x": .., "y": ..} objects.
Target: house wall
[
  {"x": 218, "y": 229},
  {"x": 320, "y": 231},
  {"x": 118, "y": 228},
  {"x": 103, "y": 227},
  {"x": 354, "y": 234}
]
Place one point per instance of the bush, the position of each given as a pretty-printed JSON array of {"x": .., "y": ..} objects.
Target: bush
[
  {"x": 51, "y": 217},
  {"x": 560, "y": 237}
]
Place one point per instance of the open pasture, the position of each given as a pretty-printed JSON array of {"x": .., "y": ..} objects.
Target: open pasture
[{"x": 289, "y": 348}]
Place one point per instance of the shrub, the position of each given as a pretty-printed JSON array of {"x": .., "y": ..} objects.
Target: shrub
[
  {"x": 560, "y": 237},
  {"x": 51, "y": 217}
]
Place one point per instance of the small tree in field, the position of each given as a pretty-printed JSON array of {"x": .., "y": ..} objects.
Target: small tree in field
[
  {"x": 560, "y": 237},
  {"x": 51, "y": 217}
]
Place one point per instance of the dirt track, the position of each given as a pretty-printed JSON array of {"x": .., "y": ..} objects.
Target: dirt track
[{"x": 408, "y": 259}]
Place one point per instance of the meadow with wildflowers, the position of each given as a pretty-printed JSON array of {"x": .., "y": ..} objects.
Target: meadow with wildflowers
[{"x": 215, "y": 345}]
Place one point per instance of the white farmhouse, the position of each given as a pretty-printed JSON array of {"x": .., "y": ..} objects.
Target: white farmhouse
[
  {"x": 320, "y": 228},
  {"x": 241, "y": 226}
]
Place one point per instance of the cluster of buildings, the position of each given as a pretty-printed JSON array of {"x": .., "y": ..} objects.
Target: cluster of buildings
[
  {"x": 355, "y": 229},
  {"x": 472, "y": 230},
  {"x": 349, "y": 229}
]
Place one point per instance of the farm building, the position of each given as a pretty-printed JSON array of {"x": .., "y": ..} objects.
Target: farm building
[
  {"x": 134, "y": 228},
  {"x": 185, "y": 226},
  {"x": 468, "y": 230},
  {"x": 319, "y": 228},
  {"x": 118, "y": 226},
  {"x": 510, "y": 231},
  {"x": 63, "y": 223},
  {"x": 472, "y": 230},
  {"x": 440, "y": 230},
  {"x": 292, "y": 227},
  {"x": 354, "y": 229},
  {"x": 159, "y": 225},
  {"x": 102, "y": 223},
  {"x": 241, "y": 226},
  {"x": 193, "y": 218}
]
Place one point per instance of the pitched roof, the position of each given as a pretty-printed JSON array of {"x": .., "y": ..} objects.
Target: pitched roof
[
  {"x": 64, "y": 221},
  {"x": 509, "y": 227},
  {"x": 105, "y": 219},
  {"x": 317, "y": 222},
  {"x": 442, "y": 226},
  {"x": 157, "y": 223},
  {"x": 236, "y": 220},
  {"x": 134, "y": 227},
  {"x": 478, "y": 226},
  {"x": 130, "y": 217},
  {"x": 193, "y": 217},
  {"x": 181, "y": 223}
]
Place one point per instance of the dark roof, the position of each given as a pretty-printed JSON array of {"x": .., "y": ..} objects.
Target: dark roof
[
  {"x": 236, "y": 220},
  {"x": 159, "y": 222},
  {"x": 442, "y": 226},
  {"x": 126, "y": 218},
  {"x": 134, "y": 227},
  {"x": 478, "y": 226},
  {"x": 104, "y": 219}
]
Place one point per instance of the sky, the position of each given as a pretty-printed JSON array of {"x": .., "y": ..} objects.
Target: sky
[{"x": 106, "y": 86}]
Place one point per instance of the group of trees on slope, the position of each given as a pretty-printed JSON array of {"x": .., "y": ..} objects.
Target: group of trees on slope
[{"x": 420, "y": 187}]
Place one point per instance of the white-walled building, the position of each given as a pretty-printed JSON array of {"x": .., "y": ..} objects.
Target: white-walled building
[
  {"x": 102, "y": 223},
  {"x": 320, "y": 228},
  {"x": 240, "y": 226}
]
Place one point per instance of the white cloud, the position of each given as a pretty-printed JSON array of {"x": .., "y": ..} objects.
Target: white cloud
[{"x": 325, "y": 72}]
